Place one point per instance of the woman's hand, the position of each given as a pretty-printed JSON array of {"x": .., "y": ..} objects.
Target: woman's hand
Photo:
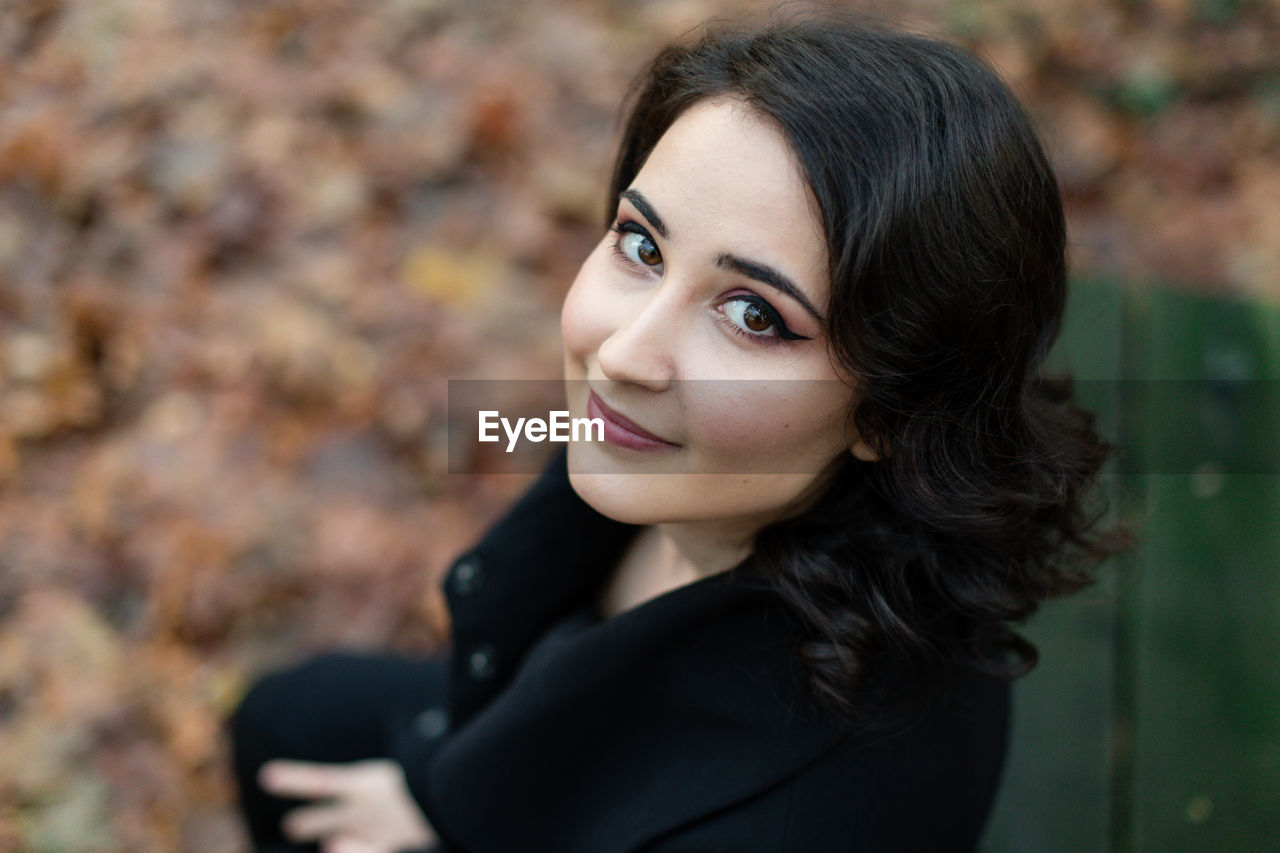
[{"x": 366, "y": 806}]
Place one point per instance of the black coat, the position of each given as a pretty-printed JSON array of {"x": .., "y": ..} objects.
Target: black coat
[{"x": 678, "y": 725}]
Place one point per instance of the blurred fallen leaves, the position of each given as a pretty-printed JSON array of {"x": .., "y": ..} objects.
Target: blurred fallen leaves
[{"x": 243, "y": 247}]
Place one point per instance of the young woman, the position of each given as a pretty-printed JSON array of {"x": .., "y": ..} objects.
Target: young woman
[{"x": 771, "y": 610}]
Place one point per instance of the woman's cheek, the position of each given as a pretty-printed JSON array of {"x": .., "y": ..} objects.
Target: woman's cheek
[
  {"x": 740, "y": 427},
  {"x": 583, "y": 323},
  {"x": 727, "y": 423}
]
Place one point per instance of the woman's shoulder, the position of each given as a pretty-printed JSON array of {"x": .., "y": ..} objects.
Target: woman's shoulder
[
  {"x": 923, "y": 783},
  {"x": 920, "y": 781}
]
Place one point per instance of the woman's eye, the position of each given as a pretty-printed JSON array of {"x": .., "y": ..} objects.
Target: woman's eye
[
  {"x": 751, "y": 316},
  {"x": 637, "y": 246}
]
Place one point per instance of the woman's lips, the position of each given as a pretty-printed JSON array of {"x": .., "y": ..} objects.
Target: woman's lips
[{"x": 622, "y": 432}]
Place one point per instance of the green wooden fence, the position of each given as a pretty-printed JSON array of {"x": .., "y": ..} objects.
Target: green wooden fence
[{"x": 1153, "y": 720}]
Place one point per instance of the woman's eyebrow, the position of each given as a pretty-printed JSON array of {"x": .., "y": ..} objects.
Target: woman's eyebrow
[
  {"x": 751, "y": 269},
  {"x": 646, "y": 210},
  {"x": 767, "y": 275}
]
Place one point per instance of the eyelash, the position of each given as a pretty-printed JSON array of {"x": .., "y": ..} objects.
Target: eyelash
[{"x": 784, "y": 335}]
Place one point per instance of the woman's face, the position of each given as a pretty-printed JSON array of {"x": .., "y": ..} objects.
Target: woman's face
[{"x": 697, "y": 320}]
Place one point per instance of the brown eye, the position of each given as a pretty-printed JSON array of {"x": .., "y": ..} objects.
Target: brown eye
[
  {"x": 639, "y": 249},
  {"x": 648, "y": 253},
  {"x": 755, "y": 319},
  {"x": 752, "y": 317}
]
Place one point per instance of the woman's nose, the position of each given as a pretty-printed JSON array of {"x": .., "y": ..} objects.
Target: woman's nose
[{"x": 641, "y": 349}]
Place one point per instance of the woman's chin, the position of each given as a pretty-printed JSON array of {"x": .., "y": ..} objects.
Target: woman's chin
[{"x": 624, "y": 497}]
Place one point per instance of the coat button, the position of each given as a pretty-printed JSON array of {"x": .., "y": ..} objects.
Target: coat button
[
  {"x": 483, "y": 662},
  {"x": 431, "y": 723},
  {"x": 467, "y": 576}
]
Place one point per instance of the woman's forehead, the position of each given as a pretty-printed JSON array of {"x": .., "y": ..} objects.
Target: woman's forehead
[{"x": 727, "y": 151}]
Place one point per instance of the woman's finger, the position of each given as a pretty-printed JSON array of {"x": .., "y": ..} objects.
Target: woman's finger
[
  {"x": 302, "y": 779},
  {"x": 313, "y": 823},
  {"x": 351, "y": 844}
]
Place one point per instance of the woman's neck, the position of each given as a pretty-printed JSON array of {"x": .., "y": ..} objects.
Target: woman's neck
[
  {"x": 664, "y": 557},
  {"x": 697, "y": 551}
]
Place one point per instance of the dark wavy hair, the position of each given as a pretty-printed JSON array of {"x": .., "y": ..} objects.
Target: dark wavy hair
[{"x": 946, "y": 240}]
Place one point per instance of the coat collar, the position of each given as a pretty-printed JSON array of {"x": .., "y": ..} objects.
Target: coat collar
[
  {"x": 547, "y": 553},
  {"x": 543, "y": 558},
  {"x": 682, "y": 705}
]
